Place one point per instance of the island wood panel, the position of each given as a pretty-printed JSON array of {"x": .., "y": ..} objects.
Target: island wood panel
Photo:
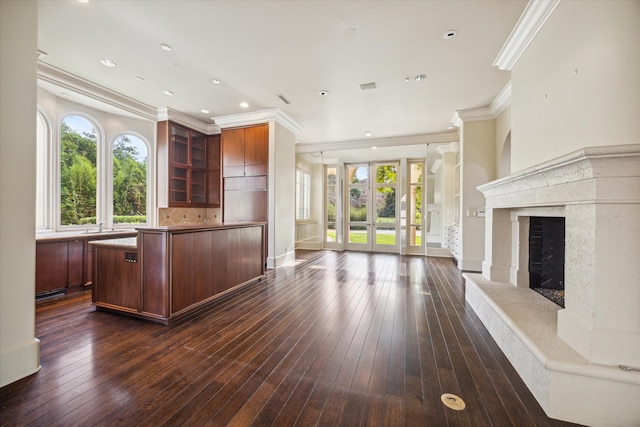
[
  {"x": 153, "y": 249},
  {"x": 117, "y": 282},
  {"x": 206, "y": 263}
]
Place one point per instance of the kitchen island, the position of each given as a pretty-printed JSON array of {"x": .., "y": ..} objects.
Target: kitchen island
[{"x": 167, "y": 273}]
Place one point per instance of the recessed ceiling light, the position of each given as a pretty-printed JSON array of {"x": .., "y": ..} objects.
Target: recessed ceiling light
[
  {"x": 244, "y": 105},
  {"x": 108, "y": 63},
  {"x": 140, "y": 78},
  {"x": 421, "y": 77},
  {"x": 367, "y": 133},
  {"x": 449, "y": 34},
  {"x": 323, "y": 92},
  {"x": 216, "y": 81},
  {"x": 166, "y": 47},
  {"x": 205, "y": 111},
  {"x": 167, "y": 92},
  {"x": 407, "y": 79}
]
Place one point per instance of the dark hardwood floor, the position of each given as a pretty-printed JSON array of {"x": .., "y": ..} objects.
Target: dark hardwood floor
[{"x": 339, "y": 339}]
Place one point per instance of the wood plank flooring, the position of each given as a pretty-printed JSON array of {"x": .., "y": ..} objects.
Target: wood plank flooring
[{"x": 339, "y": 339}]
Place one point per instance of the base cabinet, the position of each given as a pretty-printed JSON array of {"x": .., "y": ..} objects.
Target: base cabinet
[{"x": 66, "y": 263}]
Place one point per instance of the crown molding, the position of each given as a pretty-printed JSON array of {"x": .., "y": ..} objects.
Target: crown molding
[
  {"x": 452, "y": 147},
  {"x": 432, "y": 138},
  {"x": 533, "y": 17},
  {"x": 260, "y": 116},
  {"x": 472, "y": 115},
  {"x": 73, "y": 83},
  {"x": 502, "y": 101},
  {"x": 167, "y": 113}
]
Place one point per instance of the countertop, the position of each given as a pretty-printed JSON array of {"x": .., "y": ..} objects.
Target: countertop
[
  {"x": 125, "y": 242},
  {"x": 199, "y": 227},
  {"x": 81, "y": 234}
]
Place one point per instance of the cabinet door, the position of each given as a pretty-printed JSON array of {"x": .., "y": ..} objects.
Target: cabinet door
[
  {"x": 179, "y": 145},
  {"x": 51, "y": 266},
  {"x": 198, "y": 150},
  {"x": 256, "y": 150},
  {"x": 75, "y": 269},
  {"x": 213, "y": 171},
  {"x": 233, "y": 152},
  {"x": 178, "y": 185},
  {"x": 197, "y": 187}
]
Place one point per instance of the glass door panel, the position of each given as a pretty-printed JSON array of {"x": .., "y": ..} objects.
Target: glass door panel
[
  {"x": 333, "y": 207},
  {"x": 386, "y": 224},
  {"x": 358, "y": 217},
  {"x": 414, "y": 206}
]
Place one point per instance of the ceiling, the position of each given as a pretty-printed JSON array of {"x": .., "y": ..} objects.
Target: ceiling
[{"x": 262, "y": 49}]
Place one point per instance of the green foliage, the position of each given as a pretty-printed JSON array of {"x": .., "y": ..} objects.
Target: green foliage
[
  {"x": 129, "y": 180},
  {"x": 77, "y": 175},
  {"x": 78, "y": 179}
]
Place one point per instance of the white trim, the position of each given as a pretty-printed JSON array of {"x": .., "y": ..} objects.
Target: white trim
[
  {"x": 502, "y": 101},
  {"x": 472, "y": 115},
  {"x": 260, "y": 116},
  {"x": 73, "y": 83},
  {"x": 533, "y": 17},
  {"x": 167, "y": 113},
  {"x": 381, "y": 142}
]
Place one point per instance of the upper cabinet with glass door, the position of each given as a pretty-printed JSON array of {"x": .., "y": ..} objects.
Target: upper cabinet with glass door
[{"x": 184, "y": 152}]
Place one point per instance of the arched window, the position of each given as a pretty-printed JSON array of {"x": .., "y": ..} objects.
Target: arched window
[
  {"x": 78, "y": 171},
  {"x": 129, "y": 154},
  {"x": 43, "y": 138}
]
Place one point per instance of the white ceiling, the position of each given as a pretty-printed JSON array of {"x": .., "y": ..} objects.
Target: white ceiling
[{"x": 262, "y": 49}]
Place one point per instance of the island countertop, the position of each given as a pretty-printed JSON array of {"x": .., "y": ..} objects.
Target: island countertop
[
  {"x": 198, "y": 227},
  {"x": 123, "y": 242}
]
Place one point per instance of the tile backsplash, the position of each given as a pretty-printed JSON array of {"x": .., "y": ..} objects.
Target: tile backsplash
[{"x": 177, "y": 216}]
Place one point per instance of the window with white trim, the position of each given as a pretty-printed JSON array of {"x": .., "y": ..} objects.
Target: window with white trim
[{"x": 303, "y": 195}]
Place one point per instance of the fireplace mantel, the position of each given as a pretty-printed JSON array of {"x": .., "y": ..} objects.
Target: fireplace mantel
[{"x": 597, "y": 191}]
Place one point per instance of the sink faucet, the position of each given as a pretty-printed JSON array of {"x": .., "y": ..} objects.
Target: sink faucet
[{"x": 99, "y": 227}]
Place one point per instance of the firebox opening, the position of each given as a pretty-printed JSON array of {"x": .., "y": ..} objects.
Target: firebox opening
[{"x": 546, "y": 257}]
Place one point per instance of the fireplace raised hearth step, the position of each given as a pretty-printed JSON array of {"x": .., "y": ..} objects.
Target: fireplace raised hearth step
[{"x": 567, "y": 386}]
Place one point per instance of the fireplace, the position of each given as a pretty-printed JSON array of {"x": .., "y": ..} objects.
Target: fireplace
[
  {"x": 546, "y": 257},
  {"x": 574, "y": 358}
]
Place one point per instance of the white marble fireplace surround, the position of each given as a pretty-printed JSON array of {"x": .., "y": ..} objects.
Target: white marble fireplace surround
[{"x": 569, "y": 358}]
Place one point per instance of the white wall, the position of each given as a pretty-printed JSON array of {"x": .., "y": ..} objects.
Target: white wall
[
  {"x": 556, "y": 109},
  {"x": 503, "y": 143},
  {"x": 309, "y": 235},
  {"x": 477, "y": 167},
  {"x": 19, "y": 349},
  {"x": 282, "y": 195}
]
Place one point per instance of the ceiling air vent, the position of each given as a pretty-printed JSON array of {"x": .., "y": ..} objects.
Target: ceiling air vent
[
  {"x": 283, "y": 99},
  {"x": 367, "y": 86}
]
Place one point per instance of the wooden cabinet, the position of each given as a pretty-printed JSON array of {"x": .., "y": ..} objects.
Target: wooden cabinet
[
  {"x": 245, "y": 151},
  {"x": 245, "y": 160},
  {"x": 214, "y": 173},
  {"x": 51, "y": 267},
  {"x": 117, "y": 278},
  {"x": 64, "y": 263},
  {"x": 171, "y": 272},
  {"x": 184, "y": 152},
  {"x": 59, "y": 266}
]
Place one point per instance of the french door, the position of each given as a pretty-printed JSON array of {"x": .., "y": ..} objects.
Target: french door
[{"x": 371, "y": 207}]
